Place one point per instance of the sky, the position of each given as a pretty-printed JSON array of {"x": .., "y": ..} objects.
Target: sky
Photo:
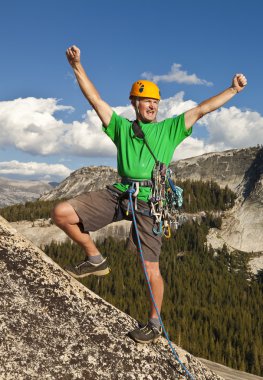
[{"x": 191, "y": 49}]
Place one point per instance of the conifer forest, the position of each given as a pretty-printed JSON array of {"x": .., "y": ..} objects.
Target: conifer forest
[{"x": 212, "y": 304}]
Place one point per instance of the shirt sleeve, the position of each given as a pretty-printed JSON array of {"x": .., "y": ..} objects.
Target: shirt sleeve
[
  {"x": 113, "y": 129},
  {"x": 178, "y": 131}
]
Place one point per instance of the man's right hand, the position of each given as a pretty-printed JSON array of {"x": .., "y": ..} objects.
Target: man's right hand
[
  {"x": 73, "y": 55},
  {"x": 102, "y": 109}
]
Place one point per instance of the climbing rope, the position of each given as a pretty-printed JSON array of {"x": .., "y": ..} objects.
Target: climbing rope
[{"x": 131, "y": 191}]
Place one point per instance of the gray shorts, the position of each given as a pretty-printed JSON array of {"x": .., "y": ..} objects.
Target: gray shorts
[{"x": 96, "y": 209}]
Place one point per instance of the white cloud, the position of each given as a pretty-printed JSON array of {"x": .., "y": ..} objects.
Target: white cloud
[
  {"x": 174, "y": 105},
  {"x": 228, "y": 128},
  {"x": 192, "y": 147},
  {"x": 31, "y": 125},
  {"x": 34, "y": 169},
  {"x": 177, "y": 75},
  {"x": 234, "y": 128}
]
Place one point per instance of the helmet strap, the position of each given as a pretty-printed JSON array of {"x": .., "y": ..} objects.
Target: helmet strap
[
  {"x": 135, "y": 103},
  {"x": 137, "y": 106}
]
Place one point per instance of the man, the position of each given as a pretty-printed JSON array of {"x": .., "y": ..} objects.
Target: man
[{"x": 91, "y": 211}]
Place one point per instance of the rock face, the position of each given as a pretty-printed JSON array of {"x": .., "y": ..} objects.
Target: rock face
[
  {"x": 243, "y": 225},
  {"x": 14, "y": 191},
  {"x": 242, "y": 171},
  {"x": 52, "y": 327},
  {"x": 225, "y": 168},
  {"x": 84, "y": 179}
]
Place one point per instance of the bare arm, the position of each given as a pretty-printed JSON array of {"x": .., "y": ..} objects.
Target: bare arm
[
  {"x": 88, "y": 89},
  {"x": 238, "y": 84}
]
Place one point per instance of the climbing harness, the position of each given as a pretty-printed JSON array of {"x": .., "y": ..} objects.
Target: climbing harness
[
  {"x": 166, "y": 198},
  {"x": 136, "y": 185},
  {"x": 131, "y": 191}
]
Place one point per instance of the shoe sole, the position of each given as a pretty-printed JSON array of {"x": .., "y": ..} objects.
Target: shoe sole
[
  {"x": 103, "y": 272},
  {"x": 154, "y": 340}
]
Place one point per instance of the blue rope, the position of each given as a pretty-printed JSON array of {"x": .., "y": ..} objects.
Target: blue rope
[{"x": 131, "y": 191}]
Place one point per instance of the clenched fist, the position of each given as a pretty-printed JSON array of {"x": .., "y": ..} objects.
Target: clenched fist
[
  {"x": 73, "y": 55},
  {"x": 239, "y": 82}
]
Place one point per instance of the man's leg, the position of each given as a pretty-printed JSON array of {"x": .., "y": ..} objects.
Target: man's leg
[
  {"x": 151, "y": 247},
  {"x": 152, "y": 330},
  {"x": 87, "y": 212},
  {"x": 156, "y": 282},
  {"x": 66, "y": 218}
]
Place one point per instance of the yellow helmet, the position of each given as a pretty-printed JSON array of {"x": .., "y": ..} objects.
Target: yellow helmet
[{"x": 145, "y": 89}]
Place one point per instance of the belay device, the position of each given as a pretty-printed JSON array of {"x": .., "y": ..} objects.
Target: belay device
[{"x": 166, "y": 197}]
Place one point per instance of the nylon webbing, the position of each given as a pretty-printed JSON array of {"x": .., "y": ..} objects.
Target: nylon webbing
[{"x": 138, "y": 132}]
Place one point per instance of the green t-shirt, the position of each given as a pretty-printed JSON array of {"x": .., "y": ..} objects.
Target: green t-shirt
[{"x": 134, "y": 159}]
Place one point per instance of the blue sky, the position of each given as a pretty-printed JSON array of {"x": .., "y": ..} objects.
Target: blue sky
[{"x": 47, "y": 128}]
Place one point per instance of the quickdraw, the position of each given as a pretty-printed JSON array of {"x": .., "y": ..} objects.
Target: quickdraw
[{"x": 165, "y": 201}]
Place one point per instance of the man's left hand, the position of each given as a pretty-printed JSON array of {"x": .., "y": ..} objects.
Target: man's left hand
[{"x": 239, "y": 82}]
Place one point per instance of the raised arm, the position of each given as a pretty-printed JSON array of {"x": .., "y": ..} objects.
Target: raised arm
[
  {"x": 88, "y": 89},
  {"x": 238, "y": 84}
]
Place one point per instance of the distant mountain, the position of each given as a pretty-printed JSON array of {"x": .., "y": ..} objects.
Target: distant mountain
[
  {"x": 225, "y": 168},
  {"x": 243, "y": 225},
  {"x": 84, "y": 179},
  {"x": 240, "y": 169},
  {"x": 18, "y": 191}
]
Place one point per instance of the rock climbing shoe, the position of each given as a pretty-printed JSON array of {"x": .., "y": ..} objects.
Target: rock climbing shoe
[
  {"x": 86, "y": 268},
  {"x": 146, "y": 333}
]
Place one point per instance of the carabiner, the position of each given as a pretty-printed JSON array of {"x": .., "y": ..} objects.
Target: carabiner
[
  {"x": 158, "y": 232},
  {"x": 167, "y": 231}
]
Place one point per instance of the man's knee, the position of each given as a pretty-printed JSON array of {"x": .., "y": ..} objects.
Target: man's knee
[
  {"x": 152, "y": 268},
  {"x": 63, "y": 213}
]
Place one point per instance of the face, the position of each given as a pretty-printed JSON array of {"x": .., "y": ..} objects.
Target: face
[{"x": 147, "y": 109}]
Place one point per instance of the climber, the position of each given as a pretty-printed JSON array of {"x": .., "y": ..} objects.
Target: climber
[{"x": 94, "y": 210}]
